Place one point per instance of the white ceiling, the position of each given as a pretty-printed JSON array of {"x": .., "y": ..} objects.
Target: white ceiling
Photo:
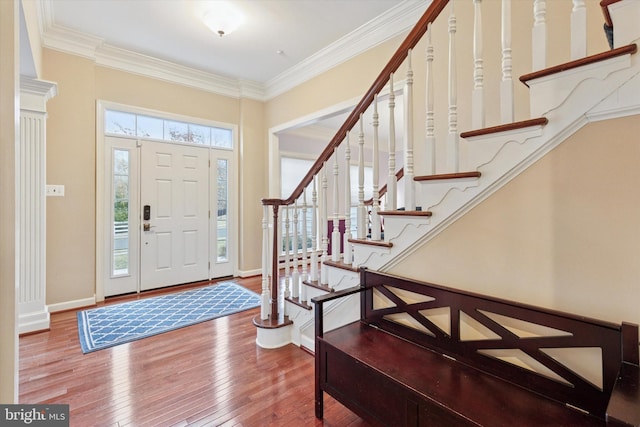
[{"x": 312, "y": 36}]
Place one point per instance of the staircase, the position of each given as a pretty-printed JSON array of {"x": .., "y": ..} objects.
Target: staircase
[{"x": 443, "y": 173}]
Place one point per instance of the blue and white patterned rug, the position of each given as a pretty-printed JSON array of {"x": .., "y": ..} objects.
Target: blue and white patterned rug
[{"x": 112, "y": 325}]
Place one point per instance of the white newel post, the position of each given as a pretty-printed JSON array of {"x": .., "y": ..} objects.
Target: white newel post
[
  {"x": 539, "y": 35},
  {"x": 375, "y": 207},
  {"x": 453, "y": 156},
  {"x": 314, "y": 232},
  {"x": 346, "y": 245},
  {"x": 362, "y": 210},
  {"x": 506, "y": 85},
  {"x": 33, "y": 312},
  {"x": 409, "y": 187},
  {"x": 430, "y": 127},
  {"x": 265, "y": 306},
  {"x": 392, "y": 181},
  {"x": 578, "y": 30},
  {"x": 477, "y": 102},
  {"x": 335, "y": 235}
]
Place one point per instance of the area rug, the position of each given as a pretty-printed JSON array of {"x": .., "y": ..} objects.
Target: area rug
[{"x": 112, "y": 325}]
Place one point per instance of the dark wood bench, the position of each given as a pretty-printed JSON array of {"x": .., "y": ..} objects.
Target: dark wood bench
[{"x": 427, "y": 355}]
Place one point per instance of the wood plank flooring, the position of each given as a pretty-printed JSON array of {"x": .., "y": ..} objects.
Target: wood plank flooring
[{"x": 209, "y": 374}]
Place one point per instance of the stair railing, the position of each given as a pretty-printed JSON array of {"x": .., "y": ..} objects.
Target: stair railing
[{"x": 350, "y": 136}]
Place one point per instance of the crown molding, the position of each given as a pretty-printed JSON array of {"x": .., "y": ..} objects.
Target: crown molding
[{"x": 384, "y": 27}]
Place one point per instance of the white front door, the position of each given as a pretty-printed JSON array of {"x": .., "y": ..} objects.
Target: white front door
[{"x": 174, "y": 200}]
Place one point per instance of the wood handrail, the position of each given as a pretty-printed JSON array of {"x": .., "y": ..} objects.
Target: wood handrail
[
  {"x": 604, "y": 4},
  {"x": 394, "y": 63}
]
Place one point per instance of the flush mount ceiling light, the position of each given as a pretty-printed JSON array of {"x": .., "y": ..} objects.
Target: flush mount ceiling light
[{"x": 222, "y": 17}]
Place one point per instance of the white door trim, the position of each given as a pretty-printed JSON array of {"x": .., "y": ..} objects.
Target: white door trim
[{"x": 101, "y": 107}]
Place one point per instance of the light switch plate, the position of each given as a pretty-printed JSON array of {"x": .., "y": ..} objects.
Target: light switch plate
[{"x": 55, "y": 190}]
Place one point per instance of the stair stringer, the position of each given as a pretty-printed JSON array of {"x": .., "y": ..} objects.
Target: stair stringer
[{"x": 512, "y": 158}]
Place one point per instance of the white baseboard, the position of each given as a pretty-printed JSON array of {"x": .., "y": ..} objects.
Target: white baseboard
[
  {"x": 249, "y": 273},
  {"x": 71, "y": 305}
]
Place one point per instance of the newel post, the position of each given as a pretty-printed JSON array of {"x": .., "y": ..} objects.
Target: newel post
[{"x": 274, "y": 267}]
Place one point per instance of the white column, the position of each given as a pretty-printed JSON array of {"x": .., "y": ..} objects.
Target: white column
[
  {"x": 578, "y": 30},
  {"x": 314, "y": 232},
  {"x": 375, "y": 207},
  {"x": 287, "y": 243},
  {"x": 33, "y": 312},
  {"x": 265, "y": 297},
  {"x": 453, "y": 156},
  {"x": 362, "y": 210},
  {"x": 335, "y": 235},
  {"x": 477, "y": 102},
  {"x": 506, "y": 85},
  {"x": 392, "y": 181},
  {"x": 409, "y": 187},
  {"x": 430, "y": 128},
  {"x": 346, "y": 245},
  {"x": 539, "y": 35}
]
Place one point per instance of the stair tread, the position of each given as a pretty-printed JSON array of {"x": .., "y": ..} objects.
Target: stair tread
[
  {"x": 541, "y": 121},
  {"x": 316, "y": 284},
  {"x": 603, "y": 56},
  {"x": 341, "y": 264},
  {"x": 406, "y": 213},
  {"x": 299, "y": 303},
  {"x": 371, "y": 242},
  {"x": 445, "y": 176}
]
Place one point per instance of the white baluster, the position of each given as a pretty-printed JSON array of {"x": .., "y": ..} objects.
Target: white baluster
[
  {"x": 295, "y": 275},
  {"x": 477, "y": 102},
  {"x": 324, "y": 272},
  {"x": 453, "y": 156},
  {"x": 506, "y": 85},
  {"x": 314, "y": 232},
  {"x": 409, "y": 187},
  {"x": 430, "y": 128},
  {"x": 335, "y": 235},
  {"x": 305, "y": 273},
  {"x": 265, "y": 297},
  {"x": 392, "y": 181},
  {"x": 375, "y": 207},
  {"x": 362, "y": 210},
  {"x": 346, "y": 245},
  {"x": 539, "y": 35},
  {"x": 578, "y": 30},
  {"x": 287, "y": 243}
]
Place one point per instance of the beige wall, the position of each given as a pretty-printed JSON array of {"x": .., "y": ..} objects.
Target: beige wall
[
  {"x": 564, "y": 234},
  {"x": 71, "y": 158},
  {"x": 9, "y": 119}
]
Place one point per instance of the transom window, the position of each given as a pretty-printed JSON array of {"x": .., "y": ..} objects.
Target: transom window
[{"x": 143, "y": 126}]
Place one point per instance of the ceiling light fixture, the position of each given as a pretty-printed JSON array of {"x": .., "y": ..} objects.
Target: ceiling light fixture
[{"x": 222, "y": 18}]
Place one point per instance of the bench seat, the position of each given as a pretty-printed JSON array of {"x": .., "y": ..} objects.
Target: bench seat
[{"x": 433, "y": 389}]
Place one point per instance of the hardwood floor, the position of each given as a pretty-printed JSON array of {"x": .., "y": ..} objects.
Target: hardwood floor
[{"x": 209, "y": 374}]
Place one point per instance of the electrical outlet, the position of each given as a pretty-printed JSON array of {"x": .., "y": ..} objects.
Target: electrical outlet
[{"x": 55, "y": 190}]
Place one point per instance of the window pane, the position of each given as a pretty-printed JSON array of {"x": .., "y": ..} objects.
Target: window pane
[
  {"x": 120, "y": 123},
  {"x": 221, "y": 137},
  {"x": 199, "y": 134},
  {"x": 150, "y": 127},
  {"x": 222, "y": 229},
  {"x": 176, "y": 131},
  {"x": 120, "y": 242},
  {"x": 291, "y": 173}
]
